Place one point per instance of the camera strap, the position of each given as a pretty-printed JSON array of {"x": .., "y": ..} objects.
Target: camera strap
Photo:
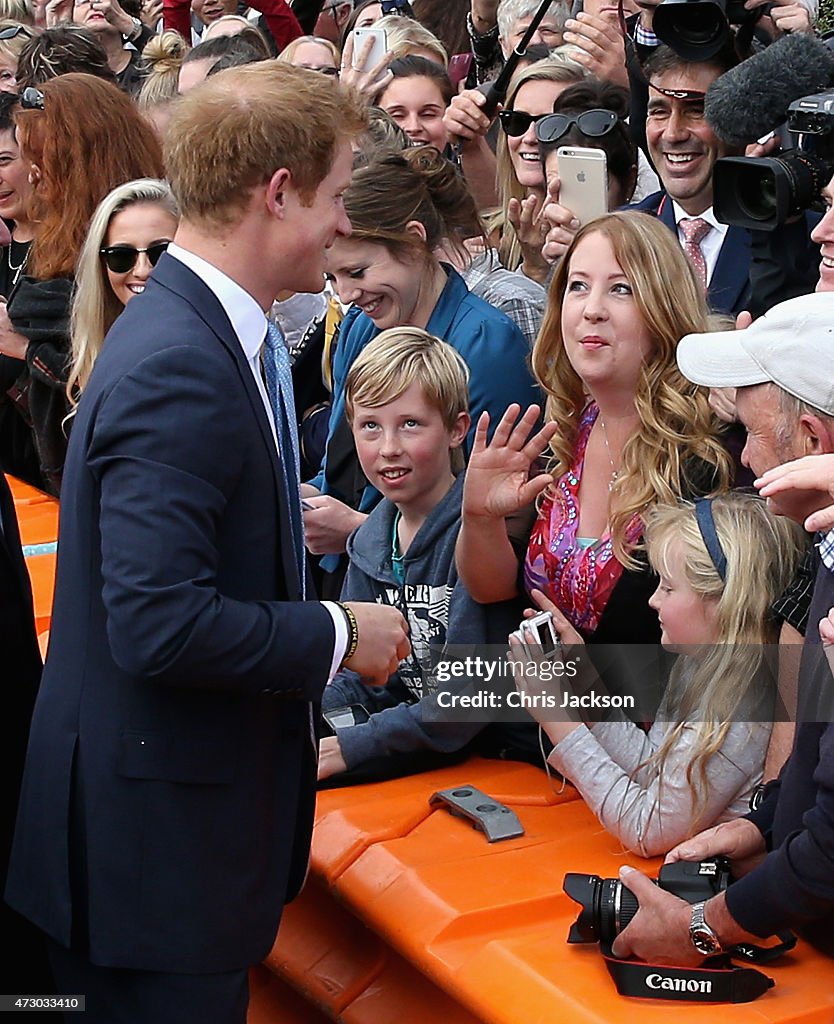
[{"x": 723, "y": 982}]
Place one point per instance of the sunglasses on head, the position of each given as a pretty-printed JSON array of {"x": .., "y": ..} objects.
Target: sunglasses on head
[
  {"x": 31, "y": 98},
  {"x": 11, "y": 31},
  {"x": 516, "y": 122},
  {"x": 593, "y": 123},
  {"x": 330, "y": 72},
  {"x": 122, "y": 258}
]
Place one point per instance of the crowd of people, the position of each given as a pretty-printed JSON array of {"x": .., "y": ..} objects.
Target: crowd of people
[{"x": 328, "y": 377}]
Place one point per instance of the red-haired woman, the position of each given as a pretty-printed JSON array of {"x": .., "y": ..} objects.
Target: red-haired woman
[{"x": 82, "y": 137}]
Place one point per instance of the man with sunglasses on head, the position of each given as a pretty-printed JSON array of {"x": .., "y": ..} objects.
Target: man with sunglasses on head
[{"x": 168, "y": 797}]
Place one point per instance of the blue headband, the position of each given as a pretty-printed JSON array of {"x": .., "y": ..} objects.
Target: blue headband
[{"x": 706, "y": 524}]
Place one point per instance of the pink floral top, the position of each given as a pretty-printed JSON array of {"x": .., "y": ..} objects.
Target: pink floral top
[{"x": 577, "y": 578}]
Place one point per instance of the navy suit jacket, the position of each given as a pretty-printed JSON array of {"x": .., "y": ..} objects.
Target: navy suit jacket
[
  {"x": 729, "y": 287},
  {"x": 169, "y": 788}
]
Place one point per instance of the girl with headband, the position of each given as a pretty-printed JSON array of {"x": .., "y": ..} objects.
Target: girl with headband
[{"x": 721, "y": 562}]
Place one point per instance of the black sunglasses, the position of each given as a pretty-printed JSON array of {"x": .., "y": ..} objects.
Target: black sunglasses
[
  {"x": 12, "y": 31},
  {"x": 516, "y": 122},
  {"x": 330, "y": 72},
  {"x": 593, "y": 123},
  {"x": 122, "y": 258},
  {"x": 31, "y": 98}
]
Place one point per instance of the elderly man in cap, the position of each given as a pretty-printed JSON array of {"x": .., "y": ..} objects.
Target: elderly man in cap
[{"x": 782, "y": 854}]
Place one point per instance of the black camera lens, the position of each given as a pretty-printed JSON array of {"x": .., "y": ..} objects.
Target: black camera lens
[
  {"x": 695, "y": 29},
  {"x": 607, "y": 907},
  {"x": 762, "y": 192}
]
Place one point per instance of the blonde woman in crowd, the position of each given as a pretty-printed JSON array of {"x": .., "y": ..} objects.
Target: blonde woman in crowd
[
  {"x": 128, "y": 233},
  {"x": 632, "y": 433}
]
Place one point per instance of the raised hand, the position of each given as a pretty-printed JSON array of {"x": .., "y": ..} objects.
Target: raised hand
[
  {"x": 368, "y": 83},
  {"x": 498, "y": 476}
]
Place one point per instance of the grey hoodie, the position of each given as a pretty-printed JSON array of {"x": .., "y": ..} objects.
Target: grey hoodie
[{"x": 439, "y": 611}]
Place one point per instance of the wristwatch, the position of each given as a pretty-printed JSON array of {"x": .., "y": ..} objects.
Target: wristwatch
[
  {"x": 135, "y": 32},
  {"x": 703, "y": 937}
]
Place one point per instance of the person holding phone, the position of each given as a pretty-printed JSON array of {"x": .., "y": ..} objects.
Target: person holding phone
[{"x": 590, "y": 115}]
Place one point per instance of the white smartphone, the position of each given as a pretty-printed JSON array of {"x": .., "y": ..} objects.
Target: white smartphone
[
  {"x": 379, "y": 47},
  {"x": 584, "y": 181}
]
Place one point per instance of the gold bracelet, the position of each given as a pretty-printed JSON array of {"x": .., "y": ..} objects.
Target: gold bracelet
[{"x": 353, "y": 631}]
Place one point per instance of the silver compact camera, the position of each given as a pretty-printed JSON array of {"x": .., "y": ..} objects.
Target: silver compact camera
[{"x": 538, "y": 637}]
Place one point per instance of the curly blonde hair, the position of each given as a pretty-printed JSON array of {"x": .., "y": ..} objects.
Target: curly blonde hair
[{"x": 676, "y": 425}]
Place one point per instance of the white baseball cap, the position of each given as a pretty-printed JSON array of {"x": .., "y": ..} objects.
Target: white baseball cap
[{"x": 791, "y": 346}]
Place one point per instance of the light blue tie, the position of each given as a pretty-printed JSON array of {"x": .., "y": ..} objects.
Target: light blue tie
[{"x": 276, "y": 360}]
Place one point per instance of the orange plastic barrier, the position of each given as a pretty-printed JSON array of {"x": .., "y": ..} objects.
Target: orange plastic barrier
[
  {"x": 37, "y": 515},
  {"x": 411, "y": 915}
]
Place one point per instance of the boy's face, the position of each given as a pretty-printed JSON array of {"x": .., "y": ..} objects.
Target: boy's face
[{"x": 403, "y": 447}]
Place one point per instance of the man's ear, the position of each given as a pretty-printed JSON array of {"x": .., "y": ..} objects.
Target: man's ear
[
  {"x": 816, "y": 434},
  {"x": 276, "y": 192}
]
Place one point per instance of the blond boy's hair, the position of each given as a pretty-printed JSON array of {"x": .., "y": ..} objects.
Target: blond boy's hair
[{"x": 400, "y": 357}]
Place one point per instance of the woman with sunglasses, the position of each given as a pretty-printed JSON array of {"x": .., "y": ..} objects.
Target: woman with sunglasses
[
  {"x": 13, "y": 37},
  {"x": 81, "y": 136},
  {"x": 591, "y": 115},
  {"x": 314, "y": 53},
  {"x": 519, "y": 172},
  {"x": 130, "y": 230}
]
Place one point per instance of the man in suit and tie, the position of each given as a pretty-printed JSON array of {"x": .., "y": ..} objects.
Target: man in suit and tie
[
  {"x": 683, "y": 149},
  {"x": 168, "y": 797}
]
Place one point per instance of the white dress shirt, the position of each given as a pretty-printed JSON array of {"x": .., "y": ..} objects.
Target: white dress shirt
[{"x": 248, "y": 321}]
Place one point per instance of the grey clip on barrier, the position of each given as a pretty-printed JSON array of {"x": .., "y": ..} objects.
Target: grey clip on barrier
[{"x": 494, "y": 819}]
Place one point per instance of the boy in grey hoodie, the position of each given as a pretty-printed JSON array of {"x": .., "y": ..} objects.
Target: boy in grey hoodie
[{"x": 406, "y": 401}]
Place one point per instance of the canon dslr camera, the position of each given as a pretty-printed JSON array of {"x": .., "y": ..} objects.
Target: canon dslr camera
[
  {"x": 763, "y": 192},
  {"x": 608, "y": 905}
]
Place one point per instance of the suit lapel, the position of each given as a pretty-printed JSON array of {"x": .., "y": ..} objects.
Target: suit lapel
[
  {"x": 178, "y": 278},
  {"x": 732, "y": 271}
]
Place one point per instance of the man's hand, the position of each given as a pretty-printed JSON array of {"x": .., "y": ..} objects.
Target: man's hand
[
  {"x": 465, "y": 118},
  {"x": 601, "y": 42},
  {"x": 383, "y": 642},
  {"x": 328, "y": 523},
  {"x": 739, "y": 840},
  {"x": 659, "y": 931},
  {"x": 331, "y": 761}
]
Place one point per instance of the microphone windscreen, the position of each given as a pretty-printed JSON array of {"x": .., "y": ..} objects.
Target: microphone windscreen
[{"x": 752, "y": 99}]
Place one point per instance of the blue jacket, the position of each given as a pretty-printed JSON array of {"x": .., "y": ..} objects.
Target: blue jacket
[{"x": 492, "y": 346}]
